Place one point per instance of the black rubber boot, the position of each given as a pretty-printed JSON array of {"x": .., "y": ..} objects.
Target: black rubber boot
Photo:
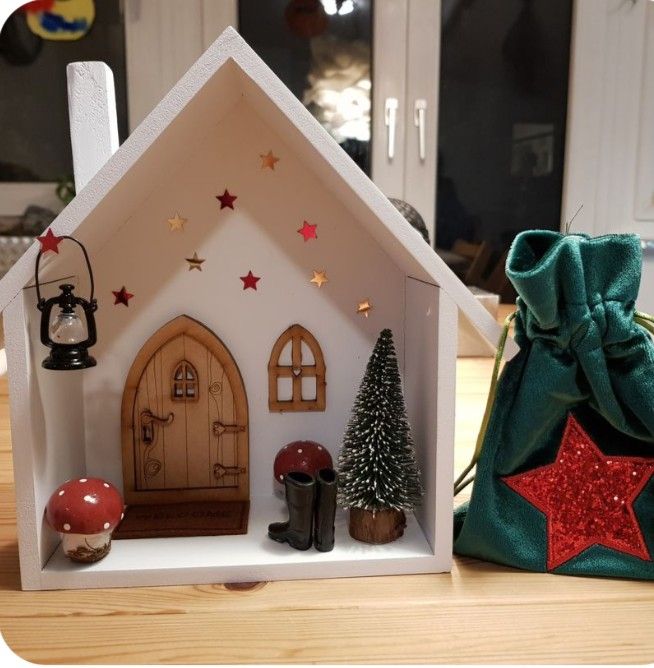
[
  {"x": 325, "y": 510},
  {"x": 300, "y": 495}
]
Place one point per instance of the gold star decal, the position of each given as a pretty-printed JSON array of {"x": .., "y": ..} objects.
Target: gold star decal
[
  {"x": 364, "y": 307},
  {"x": 319, "y": 277},
  {"x": 194, "y": 262},
  {"x": 176, "y": 223},
  {"x": 268, "y": 160}
]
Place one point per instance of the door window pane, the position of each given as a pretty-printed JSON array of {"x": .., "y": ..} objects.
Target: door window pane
[
  {"x": 503, "y": 101},
  {"x": 322, "y": 50}
]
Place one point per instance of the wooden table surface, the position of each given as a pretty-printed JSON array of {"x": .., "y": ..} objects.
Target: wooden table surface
[{"x": 480, "y": 613}]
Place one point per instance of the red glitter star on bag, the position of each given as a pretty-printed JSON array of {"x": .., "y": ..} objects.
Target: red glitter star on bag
[{"x": 587, "y": 497}]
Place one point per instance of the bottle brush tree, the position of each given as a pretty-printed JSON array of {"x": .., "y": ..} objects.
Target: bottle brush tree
[{"x": 378, "y": 475}]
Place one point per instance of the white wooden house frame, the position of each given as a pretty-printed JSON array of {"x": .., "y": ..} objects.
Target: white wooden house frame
[{"x": 50, "y": 443}]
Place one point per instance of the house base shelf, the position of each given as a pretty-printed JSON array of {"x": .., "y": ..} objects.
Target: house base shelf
[{"x": 244, "y": 558}]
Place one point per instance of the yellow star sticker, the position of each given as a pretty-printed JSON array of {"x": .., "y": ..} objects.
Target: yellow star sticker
[
  {"x": 319, "y": 277},
  {"x": 364, "y": 307},
  {"x": 177, "y": 223},
  {"x": 268, "y": 160},
  {"x": 194, "y": 262}
]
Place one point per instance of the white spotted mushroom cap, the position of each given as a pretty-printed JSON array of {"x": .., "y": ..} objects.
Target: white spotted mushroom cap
[{"x": 85, "y": 506}]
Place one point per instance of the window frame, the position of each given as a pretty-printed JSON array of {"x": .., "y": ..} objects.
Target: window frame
[
  {"x": 185, "y": 382},
  {"x": 295, "y": 335}
]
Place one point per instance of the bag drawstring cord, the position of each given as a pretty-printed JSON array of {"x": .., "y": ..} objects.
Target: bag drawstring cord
[
  {"x": 643, "y": 319},
  {"x": 462, "y": 481}
]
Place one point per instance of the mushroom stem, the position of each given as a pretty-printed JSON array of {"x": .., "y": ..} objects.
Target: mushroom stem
[{"x": 86, "y": 548}]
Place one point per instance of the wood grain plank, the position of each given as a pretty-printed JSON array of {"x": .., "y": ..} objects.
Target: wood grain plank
[
  {"x": 198, "y": 426},
  {"x": 399, "y": 634}
]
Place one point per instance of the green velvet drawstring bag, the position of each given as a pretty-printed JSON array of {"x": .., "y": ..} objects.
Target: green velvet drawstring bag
[{"x": 565, "y": 459}]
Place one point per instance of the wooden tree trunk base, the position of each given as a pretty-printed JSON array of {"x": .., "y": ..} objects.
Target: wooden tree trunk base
[{"x": 384, "y": 526}]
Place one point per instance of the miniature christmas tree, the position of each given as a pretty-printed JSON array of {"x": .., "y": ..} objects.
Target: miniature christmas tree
[{"x": 378, "y": 474}]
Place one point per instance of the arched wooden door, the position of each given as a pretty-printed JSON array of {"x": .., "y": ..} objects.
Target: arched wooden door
[{"x": 184, "y": 420}]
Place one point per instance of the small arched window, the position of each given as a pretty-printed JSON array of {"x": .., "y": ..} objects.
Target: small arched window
[
  {"x": 296, "y": 373},
  {"x": 185, "y": 382}
]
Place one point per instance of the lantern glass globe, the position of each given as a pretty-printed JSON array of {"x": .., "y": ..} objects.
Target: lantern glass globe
[{"x": 67, "y": 328}]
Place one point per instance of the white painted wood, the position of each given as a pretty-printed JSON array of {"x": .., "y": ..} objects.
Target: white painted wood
[
  {"x": 389, "y": 81},
  {"x": 93, "y": 119},
  {"x": 428, "y": 349},
  {"x": 244, "y": 558},
  {"x": 23, "y": 441},
  {"x": 446, "y": 342},
  {"x": 16, "y": 197},
  {"x": 206, "y": 135},
  {"x": 422, "y": 77}
]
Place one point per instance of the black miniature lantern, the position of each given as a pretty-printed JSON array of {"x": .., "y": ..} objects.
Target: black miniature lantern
[{"x": 67, "y": 335}]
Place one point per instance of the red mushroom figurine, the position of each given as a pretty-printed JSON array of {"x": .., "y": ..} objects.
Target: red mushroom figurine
[
  {"x": 305, "y": 456},
  {"x": 85, "y": 511}
]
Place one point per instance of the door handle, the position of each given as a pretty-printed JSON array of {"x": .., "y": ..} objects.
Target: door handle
[
  {"x": 219, "y": 428},
  {"x": 419, "y": 114},
  {"x": 148, "y": 420},
  {"x": 390, "y": 120}
]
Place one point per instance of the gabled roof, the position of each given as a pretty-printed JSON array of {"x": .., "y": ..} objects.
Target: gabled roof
[{"x": 228, "y": 72}]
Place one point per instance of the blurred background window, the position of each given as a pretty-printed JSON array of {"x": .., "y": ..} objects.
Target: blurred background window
[{"x": 502, "y": 121}]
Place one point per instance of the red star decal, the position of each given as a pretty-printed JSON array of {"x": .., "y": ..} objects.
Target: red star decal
[
  {"x": 226, "y": 200},
  {"x": 587, "y": 497},
  {"x": 308, "y": 231},
  {"x": 250, "y": 281},
  {"x": 49, "y": 242},
  {"x": 122, "y": 296}
]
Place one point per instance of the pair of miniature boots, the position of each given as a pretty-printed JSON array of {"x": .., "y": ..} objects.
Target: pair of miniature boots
[{"x": 311, "y": 509}]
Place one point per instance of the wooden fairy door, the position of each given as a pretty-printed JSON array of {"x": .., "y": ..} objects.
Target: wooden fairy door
[{"x": 185, "y": 420}]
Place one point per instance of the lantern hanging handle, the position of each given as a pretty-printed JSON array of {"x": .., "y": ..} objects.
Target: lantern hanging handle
[{"x": 40, "y": 300}]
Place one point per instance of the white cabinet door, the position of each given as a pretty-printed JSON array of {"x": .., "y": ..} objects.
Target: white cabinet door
[
  {"x": 406, "y": 69},
  {"x": 610, "y": 117},
  {"x": 163, "y": 38},
  {"x": 389, "y": 112},
  {"x": 423, "y": 55},
  {"x": 610, "y": 144}
]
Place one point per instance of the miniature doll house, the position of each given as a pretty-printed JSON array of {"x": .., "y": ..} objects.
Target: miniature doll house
[{"x": 228, "y": 218}]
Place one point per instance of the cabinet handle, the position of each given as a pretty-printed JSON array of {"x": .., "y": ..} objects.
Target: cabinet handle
[
  {"x": 419, "y": 113},
  {"x": 390, "y": 119}
]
